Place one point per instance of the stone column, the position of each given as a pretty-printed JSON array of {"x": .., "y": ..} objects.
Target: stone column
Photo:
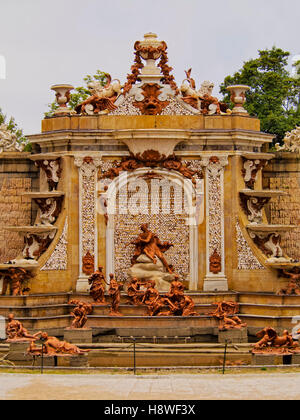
[
  {"x": 215, "y": 279},
  {"x": 88, "y": 232}
]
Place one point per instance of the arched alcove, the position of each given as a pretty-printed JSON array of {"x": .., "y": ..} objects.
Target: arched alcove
[{"x": 172, "y": 207}]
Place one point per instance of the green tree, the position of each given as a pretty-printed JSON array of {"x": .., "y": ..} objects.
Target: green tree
[
  {"x": 13, "y": 126},
  {"x": 274, "y": 96},
  {"x": 81, "y": 93}
]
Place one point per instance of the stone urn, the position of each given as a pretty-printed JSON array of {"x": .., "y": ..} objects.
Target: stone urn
[
  {"x": 238, "y": 97},
  {"x": 150, "y": 49},
  {"x": 62, "y": 98}
]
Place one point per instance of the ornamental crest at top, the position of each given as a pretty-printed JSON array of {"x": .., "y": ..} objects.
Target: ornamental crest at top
[{"x": 150, "y": 89}]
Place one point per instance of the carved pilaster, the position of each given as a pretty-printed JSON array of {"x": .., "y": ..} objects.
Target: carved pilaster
[
  {"x": 88, "y": 168},
  {"x": 215, "y": 278}
]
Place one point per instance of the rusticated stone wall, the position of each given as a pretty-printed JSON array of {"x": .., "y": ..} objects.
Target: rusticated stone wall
[
  {"x": 17, "y": 175},
  {"x": 283, "y": 173},
  {"x": 14, "y": 211}
]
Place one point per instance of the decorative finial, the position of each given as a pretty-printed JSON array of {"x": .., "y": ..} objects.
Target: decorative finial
[
  {"x": 62, "y": 98},
  {"x": 238, "y": 97}
]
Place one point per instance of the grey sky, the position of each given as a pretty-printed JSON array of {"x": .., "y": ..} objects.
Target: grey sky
[{"x": 60, "y": 41}]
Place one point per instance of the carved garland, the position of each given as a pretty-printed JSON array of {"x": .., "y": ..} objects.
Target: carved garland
[{"x": 151, "y": 159}]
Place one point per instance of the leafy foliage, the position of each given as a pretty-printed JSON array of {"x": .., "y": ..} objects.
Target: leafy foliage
[
  {"x": 12, "y": 126},
  {"x": 81, "y": 93},
  {"x": 274, "y": 96}
]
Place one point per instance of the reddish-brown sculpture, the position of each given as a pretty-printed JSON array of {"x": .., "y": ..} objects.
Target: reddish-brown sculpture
[
  {"x": 80, "y": 313},
  {"x": 152, "y": 299},
  {"x": 201, "y": 99},
  {"x": 151, "y": 104},
  {"x": 225, "y": 314},
  {"x": 16, "y": 278},
  {"x": 149, "y": 244},
  {"x": 293, "y": 287},
  {"x": 102, "y": 98},
  {"x": 152, "y": 52},
  {"x": 53, "y": 346},
  {"x": 215, "y": 262},
  {"x": 97, "y": 289},
  {"x": 151, "y": 159},
  {"x": 88, "y": 266},
  {"x": 16, "y": 332},
  {"x": 134, "y": 293},
  {"x": 178, "y": 303},
  {"x": 114, "y": 292},
  {"x": 271, "y": 342}
]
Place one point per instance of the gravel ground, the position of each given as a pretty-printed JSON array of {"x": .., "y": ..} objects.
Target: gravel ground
[{"x": 284, "y": 386}]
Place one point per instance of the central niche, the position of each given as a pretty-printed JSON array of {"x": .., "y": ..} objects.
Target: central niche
[{"x": 165, "y": 201}]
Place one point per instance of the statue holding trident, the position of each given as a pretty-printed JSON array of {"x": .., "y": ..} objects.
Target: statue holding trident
[{"x": 149, "y": 244}]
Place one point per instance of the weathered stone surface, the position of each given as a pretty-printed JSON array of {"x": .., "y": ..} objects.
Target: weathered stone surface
[
  {"x": 18, "y": 351},
  {"x": 266, "y": 359},
  {"x": 234, "y": 335},
  {"x": 14, "y": 211},
  {"x": 80, "y": 335},
  {"x": 79, "y": 361}
]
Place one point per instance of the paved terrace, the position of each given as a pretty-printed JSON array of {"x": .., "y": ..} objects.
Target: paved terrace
[{"x": 264, "y": 385}]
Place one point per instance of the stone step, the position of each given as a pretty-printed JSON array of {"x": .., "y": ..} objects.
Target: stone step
[
  {"x": 269, "y": 309},
  {"x": 34, "y": 300},
  {"x": 35, "y": 311},
  {"x": 268, "y": 298},
  {"x": 198, "y": 297}
]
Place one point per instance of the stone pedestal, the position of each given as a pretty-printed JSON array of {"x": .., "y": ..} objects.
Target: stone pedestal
[
  {"x": 82, "y": 285},
  {"x": 18, "y": 351},
  {"x": 78, "y": 335},
  {"x": 215, "y": 283},
  {"x": 79, "y": 361},
  {"x": 234, "y": 335},
  {"x": 296, "y": 359},
  {"x": 48, "y": 361},
  {"x": 266, "y": 359}
]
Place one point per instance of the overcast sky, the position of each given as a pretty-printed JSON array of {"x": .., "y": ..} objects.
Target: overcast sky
[{"x": 60, "y": 41}]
